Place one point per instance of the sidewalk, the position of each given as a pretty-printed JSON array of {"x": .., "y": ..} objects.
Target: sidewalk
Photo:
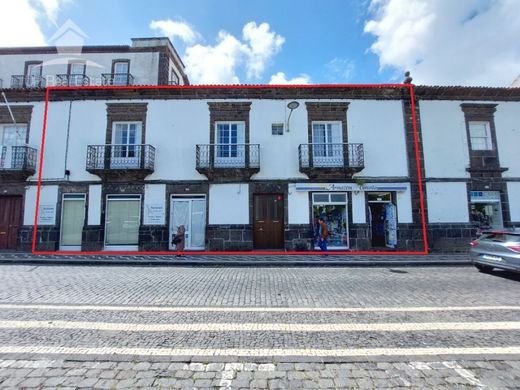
[{"x": 238, "y": 260}]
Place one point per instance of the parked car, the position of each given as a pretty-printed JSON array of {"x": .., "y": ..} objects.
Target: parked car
[{"x": 496, "y": 249}]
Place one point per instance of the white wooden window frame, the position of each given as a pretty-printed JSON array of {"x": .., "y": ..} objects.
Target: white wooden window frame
[
  {"x": 479, "y": 141},
  {"x": 235, "y": 151}
]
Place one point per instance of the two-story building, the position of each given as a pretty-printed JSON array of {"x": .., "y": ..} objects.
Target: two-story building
[{"x": 248, "y": 167}]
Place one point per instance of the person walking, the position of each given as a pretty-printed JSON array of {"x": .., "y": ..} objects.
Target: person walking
[
  {"x": 323, "y": 235},
  {"x": 178, "y": 240}
]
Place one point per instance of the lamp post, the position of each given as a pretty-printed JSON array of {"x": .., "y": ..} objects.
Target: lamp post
[{"x": 292, "y": 106}]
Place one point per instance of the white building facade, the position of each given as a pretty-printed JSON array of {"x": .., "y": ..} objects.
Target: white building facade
[{"x": 253, "y": 168}]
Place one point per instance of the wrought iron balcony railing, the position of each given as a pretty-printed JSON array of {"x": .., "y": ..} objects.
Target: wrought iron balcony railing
[
  {"x": 117, "y": 79},
  {"x": 18, "y": 158},
  {"x": 120, "y": 157},
  {"x": 228, "y": 156},
  {"x": 328, "y": 155},
  {"x": 72, "y": 80},
  {"x": 24, "y": 81}
]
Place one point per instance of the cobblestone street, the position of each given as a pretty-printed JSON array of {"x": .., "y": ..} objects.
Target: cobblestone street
[{"x": 258, "y": 327}]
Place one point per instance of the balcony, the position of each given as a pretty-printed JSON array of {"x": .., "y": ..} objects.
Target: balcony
[
  {"x": 23, "y": 81},
  {"x": 123, "y": 162},
  {"x": 117, "y": 79},
  {"x": 228, "y": 163},
  {"x": 17, "y": 163},
  {"x": 72, "y": 80},
  {"x": 331, "y": 161}
]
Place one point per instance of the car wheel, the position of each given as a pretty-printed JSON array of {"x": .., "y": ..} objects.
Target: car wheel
[{"x": 484, "y": 268}]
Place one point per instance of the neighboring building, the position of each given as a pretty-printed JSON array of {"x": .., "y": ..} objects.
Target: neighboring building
[{"x": 251, "y": 168}]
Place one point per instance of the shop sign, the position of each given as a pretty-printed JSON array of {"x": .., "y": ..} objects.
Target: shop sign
[
  {"x": 350, "y": 187},
  {"x": 154, "y": 214},
  {"x": 490, "y": 196},
  {"x": 47, "y": 214}
]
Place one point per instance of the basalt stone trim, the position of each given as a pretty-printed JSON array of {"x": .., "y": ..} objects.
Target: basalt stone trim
[
  {"x": 22, "y": 114},
  {"x": 153, "y": 238},
  {"x": 163, "y": 68},
  {"x": 93, "y": 238},
  {"x": 416, "y": 241},
  {"x": 229, "y": 237},
  {"x": 450, "y": 237},
  {"x": 482, "y": 159},
  {"x": 120, "y": 189},
  {"x": 47, "y": 238},
  {"x": 327, "y": 111},
  {"x": 299, "y": 237},
  {"x": 227, "y": 112},
  {"x": 126, "y": 112}
]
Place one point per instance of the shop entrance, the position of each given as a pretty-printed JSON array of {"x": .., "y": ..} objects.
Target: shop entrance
[
  {"x": 383, "y": 219},
  {"x": 268, "y": 229},
  {"x": 190, "y": 212},
  {"x": 10, "y": 217},
  {"x": 332, "y": 207},
  {"x": 486, "y": 209}
]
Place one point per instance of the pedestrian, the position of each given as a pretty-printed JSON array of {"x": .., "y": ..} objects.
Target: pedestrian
[
  {"x": 178, "y": 240},
  {"x": 323, "y": 234}
]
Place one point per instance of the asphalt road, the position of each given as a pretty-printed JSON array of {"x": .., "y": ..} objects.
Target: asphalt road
[{"x": 253, "y": 327}]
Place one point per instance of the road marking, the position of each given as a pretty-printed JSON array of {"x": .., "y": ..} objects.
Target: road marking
[
  {"x": 235, "y": 352},
  {"x": 184, "y": 309},
  {"x": 255, "y": 327}
]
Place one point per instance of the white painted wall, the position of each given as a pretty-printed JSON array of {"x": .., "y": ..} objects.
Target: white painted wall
[
  {"x": 513, "y": 193},
  {"x": 229, "y": 204},
  {"x": 143, "y": 66},
  {"x": 444, "y": 139},
  {"x": 48, "y": 196},
  {"x": 94, "y": 204},
  {"x": 154, "y": 196},
  {"x": 29, "y": 208},
  {"x": 447, "y": 202},
  {"x": 174, "y": 128},
  {"x": 298, "y": 206},
  {"x": 404, "y": 206},
  {"x": 278, "y": 153},
  {"x": 507, "y": 124},
  {"x": 379, "y": 125},
  {"x": 358, "y": 207}
]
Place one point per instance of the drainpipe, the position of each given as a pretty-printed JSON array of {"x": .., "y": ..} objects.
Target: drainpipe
[{"x": 66, "y": 172}]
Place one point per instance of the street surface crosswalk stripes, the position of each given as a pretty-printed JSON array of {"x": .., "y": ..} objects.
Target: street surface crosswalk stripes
[{"x": 255, "y": 327}]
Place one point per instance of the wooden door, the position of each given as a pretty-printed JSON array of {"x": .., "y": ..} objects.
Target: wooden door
[
  {"x": 10, "y": 217},
  {"x": 268, "y": 225}
]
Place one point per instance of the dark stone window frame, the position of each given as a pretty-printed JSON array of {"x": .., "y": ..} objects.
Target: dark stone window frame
[
  {"x": 327, "y": 112},
  {"x": 22, "y": 114},
  {"x": 114, "y": 61},
  {"x": 228, "y": 112},
  {"x": 480, "y": 112},
  {"x": 26, "y": 67},
  {"x": 126, "y": 112},
  {"x": 82, "y": 62}
]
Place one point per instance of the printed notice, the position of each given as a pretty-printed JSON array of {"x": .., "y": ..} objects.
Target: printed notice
[
  {"x": 47, "y": 214},
  {"x": 154, "y": 214}
]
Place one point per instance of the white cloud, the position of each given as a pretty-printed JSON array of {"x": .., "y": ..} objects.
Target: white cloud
[
  {"x": 221, "y": 63},
  {"x": 448, "y": 42},
  {"x": 173, "y": 29},
  {"x": 280, "y": 78},
  {"x": 20, "y": 21},
  {"x": 340, "y": 69},
  {"x": 263, "y": 45}
]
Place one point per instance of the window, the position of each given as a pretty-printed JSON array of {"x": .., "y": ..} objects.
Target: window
[
  {"x": 277, "y": 128},
  {"x": 77, "y": 73},
  {"x": 123, "y": 219},
  {"x": 10, "y": 137},
  {"x": 230, "y": 148},
  {"x": 33, "y": 74},
  {"x": 121, "y": 72},
  {"x": 480, "y": 135},
  {"x": 126, "y": 138},
  {"x": 174, "y": 79},
  {"x": 327, "y": 144}
]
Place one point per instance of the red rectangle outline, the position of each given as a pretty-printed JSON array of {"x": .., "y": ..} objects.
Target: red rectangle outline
[{"x": 410, "y": 88}]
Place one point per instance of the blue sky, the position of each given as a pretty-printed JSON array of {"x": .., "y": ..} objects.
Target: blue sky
[{"x": 466, "y": 42}]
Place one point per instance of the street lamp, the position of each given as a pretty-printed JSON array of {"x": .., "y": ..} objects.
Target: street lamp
[{"x": 292, "y": 106}]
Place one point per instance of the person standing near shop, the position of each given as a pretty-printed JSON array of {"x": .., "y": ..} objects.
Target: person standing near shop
[
  {"x": 178, "y": 240},
  {"x": 323, "y": 235}
]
